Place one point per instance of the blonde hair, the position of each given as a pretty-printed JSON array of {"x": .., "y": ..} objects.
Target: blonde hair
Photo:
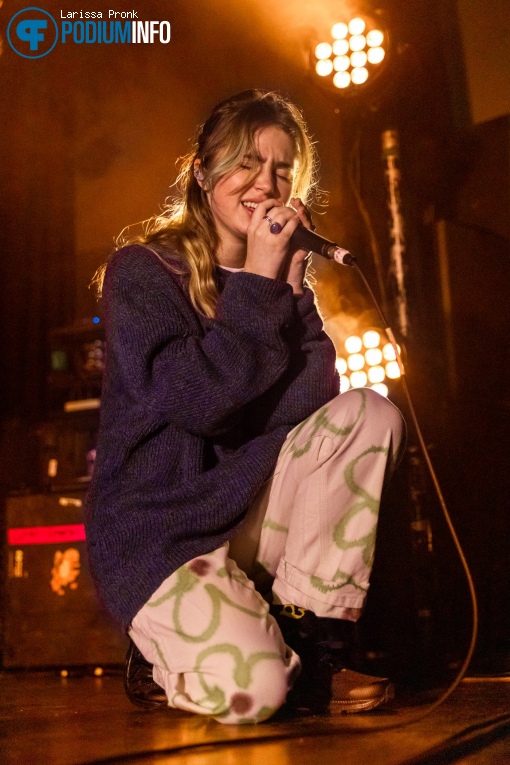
[{"x": 186, "y": 226}]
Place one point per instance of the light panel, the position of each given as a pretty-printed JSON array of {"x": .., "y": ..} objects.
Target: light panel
[
  {"x": 323, "y": 50},
  {"x": 356, "y": 361},
  {"x": 339, "y": 31},
  {"x": 373, "y": 357},
  {"x": 324, "y": 67},
  {"x": 356, "y": 51},
  {"x": 375, "y": 55},
  {"x": 353, "y": 344},
  {"x": 341, "y": 365},
  {"x": 375, "y": 38},
  {"x": 371, "y": 338},
  {"x": 376, "y": 374},
  {"x": 341, "y": 63},
  {"x": 340, "y": 47},
  {"x": 356, "y": 26},
  {"x": 342, "y": 80},
  {"x": 359, "y": 75},
  {"x": 369, "y": 360},
  {"x": 359, "y": 379},
  {"x": 359, "y": 58}
]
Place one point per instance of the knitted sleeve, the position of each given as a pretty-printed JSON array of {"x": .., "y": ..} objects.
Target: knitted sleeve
[
  {"x": 159, "y": 354},
  {"x": 310, "y": 380}
]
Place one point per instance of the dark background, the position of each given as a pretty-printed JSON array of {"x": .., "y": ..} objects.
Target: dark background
[{"x": 90, "y": 138}]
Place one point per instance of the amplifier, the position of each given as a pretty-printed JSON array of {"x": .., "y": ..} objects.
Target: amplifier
[{"x": 52, "y": 614}]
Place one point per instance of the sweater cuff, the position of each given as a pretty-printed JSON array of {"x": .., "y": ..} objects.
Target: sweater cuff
[{"x": 304, "y": 303}]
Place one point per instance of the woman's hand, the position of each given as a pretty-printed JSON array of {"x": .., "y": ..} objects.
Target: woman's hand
[
  {"x": 267, "y": 253},
  {"x": 295, "y": 267}
]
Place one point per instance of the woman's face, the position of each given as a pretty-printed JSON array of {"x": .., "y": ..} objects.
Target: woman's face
[{"x": 232, "y": 204}]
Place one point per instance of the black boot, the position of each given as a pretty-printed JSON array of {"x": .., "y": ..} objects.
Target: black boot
[
  {"x": 326, "y": 684},
  {"x": 139, "y": 683}
]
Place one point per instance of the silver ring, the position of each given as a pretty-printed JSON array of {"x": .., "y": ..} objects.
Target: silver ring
[{"x": 274, "y": 228}]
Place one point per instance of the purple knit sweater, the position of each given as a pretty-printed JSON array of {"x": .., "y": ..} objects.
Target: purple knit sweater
[{"x": 194, "y": 412}]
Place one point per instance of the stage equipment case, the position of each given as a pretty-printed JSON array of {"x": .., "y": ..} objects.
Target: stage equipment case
[{"x": 52, "y": 615}]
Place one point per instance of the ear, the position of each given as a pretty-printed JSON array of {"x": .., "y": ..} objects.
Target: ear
[{"x": 197, "y": 172}]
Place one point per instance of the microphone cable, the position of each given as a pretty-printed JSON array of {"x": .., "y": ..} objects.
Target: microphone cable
[{"x": 469, "y": 579}]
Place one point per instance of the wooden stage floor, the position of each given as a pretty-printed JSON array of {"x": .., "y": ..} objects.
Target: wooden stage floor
[{"x": 49, "y": 720}]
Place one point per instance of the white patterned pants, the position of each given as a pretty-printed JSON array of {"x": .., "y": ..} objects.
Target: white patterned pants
[{"x": 308, "y": 539}]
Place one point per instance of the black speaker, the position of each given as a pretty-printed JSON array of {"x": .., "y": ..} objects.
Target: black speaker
[
  {"x": 474, "y": 274},
  {"x": 474, "y": 265},
  {"x": 52, "y": 613}
]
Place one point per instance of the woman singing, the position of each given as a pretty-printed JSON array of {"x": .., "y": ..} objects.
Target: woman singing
[{"x": 233, "y": 508}]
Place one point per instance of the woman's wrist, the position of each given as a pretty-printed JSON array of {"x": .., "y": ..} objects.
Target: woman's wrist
[{"x": 296, "y": 277}]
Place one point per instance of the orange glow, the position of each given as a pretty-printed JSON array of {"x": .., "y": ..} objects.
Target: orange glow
[
  {"x": 341, "y": 365},
  {"x": 339, "y": 31},
  {"x": 353, "y": 344},
  {"x": 341, "y": 63},
  {"x": 376, "y": 374},
  {"x": 358, "y": 379},
  {"x": 324, "y": 67},
  {"x": 356, "y": 361},
  {"x": 371, "y": 338},
  {"x": 323, "y": 50},
  {"x": 342, "y": 80},
  {"x": 359, "y": 75},
  {"x": 340, "y": 47},
  {"x": 375, "y": 38},
  {"x": 375, "y": 55},
  {"x": 389, "y": 353},
  {"x": 392, "y": 370},
  {"x": 373, "y": 356},
  {"x": 357, "y": 42},
  {"x": 356, "y": 26},
  {"x": 359, "y": 58}
]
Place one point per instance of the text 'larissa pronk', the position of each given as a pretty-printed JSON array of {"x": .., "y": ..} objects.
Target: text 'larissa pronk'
[{"x": 98, "y": 14}]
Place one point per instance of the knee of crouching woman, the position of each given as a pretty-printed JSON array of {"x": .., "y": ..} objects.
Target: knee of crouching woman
[
  {"x": 378, "y": 407},
  {"x": 267, "y": 693},
  {"x": 364, "y": 407}
]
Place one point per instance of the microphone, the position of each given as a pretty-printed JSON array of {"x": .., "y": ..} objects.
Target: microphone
[{"x": 304, "y": 239}]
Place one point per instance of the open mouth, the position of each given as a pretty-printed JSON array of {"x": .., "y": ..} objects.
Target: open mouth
[{"x": 250, "y": 205}]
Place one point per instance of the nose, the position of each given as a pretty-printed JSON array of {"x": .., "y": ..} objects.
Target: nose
[{"x": 264, "y": 181}]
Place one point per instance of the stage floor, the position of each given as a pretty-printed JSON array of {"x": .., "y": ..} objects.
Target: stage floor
[{"x": 49, "y": 720}]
